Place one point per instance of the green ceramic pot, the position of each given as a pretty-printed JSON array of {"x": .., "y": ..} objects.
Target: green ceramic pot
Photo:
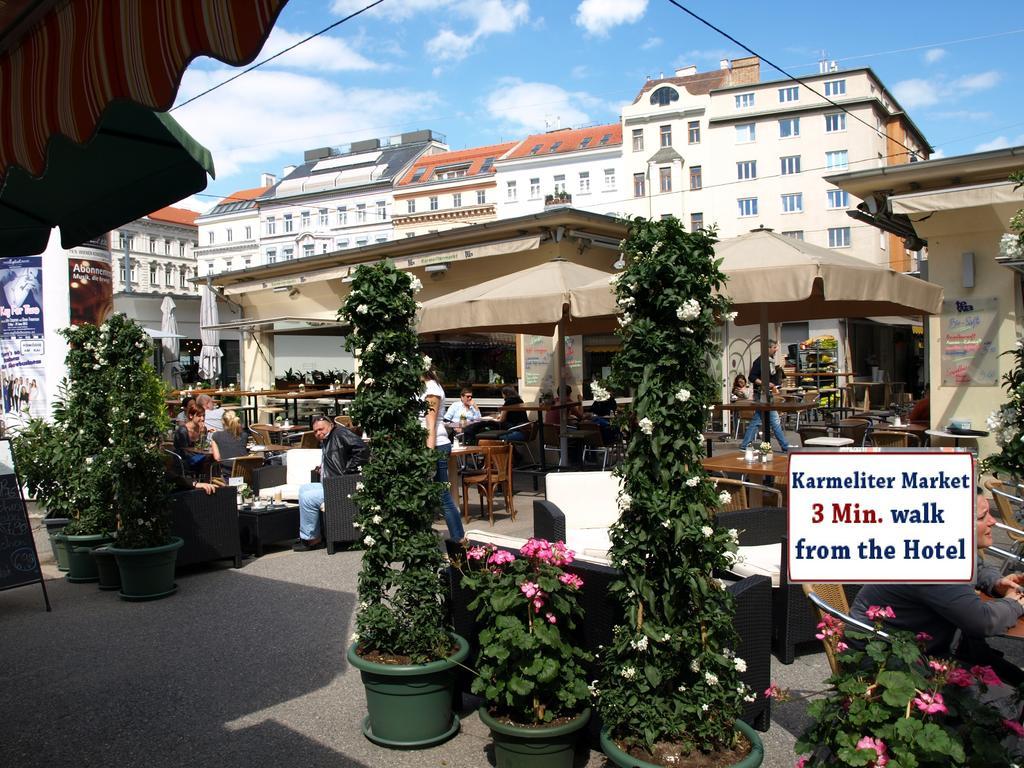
[
  {"x": 147, "y": 573},
  {"x": 410, "y": 706},
  {"x": 81, "y": 566},
  {"x": 59, "y": 542},
  {"x": 106, "y": 567},
  {"x": 623, "y": 760},
  {"x": 517, "y": 746}
]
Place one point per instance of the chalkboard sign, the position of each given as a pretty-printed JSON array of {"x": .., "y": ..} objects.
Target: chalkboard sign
[{"x": 19, "y": 561}]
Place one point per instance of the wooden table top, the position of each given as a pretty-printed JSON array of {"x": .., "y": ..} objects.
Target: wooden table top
[
  {"x": 782, "y": 406},
  {"x": 733, "y": 461}
]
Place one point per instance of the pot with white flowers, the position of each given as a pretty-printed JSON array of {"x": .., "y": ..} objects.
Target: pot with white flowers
[
  {"x": 529, "y": 671},
  {"x": 402, "y": 648},
  {"x": 669, "y": 692}
]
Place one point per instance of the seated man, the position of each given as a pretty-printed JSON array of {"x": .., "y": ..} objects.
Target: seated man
[
  {"x": 462, "y": 412},
  {"x": 941, "y": 609},
  {"x": 343, "y": 452},
  {"x": 214, "y": 415}
]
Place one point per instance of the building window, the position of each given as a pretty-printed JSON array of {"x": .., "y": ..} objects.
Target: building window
[
  {"x": 288, "y": 253},
  {"x": 323, "y": 217},
  {"x": 410, "y": 206},
  {"x": 560, "y": 184},
  {"x": 838, "y": 198},
  {"x": 793, "y": 202},
  {"x": 382, "y": 210},
  {"x": 695, "y": 177},
  {"x": 343, "y": 215},
  {"x": 693, "y": 132},
  {"x": 360, "y": 213},
  {"x": 341, "y": 243},
  {"x": 789, "y": 127},
  {"x": 167, "y": 243},
  {"x": 639, "y": 185},
  {"x": 231, "y": 235},
  {"x": 638, "y": 139},
  {"x": 289, "y": 224},
  {"x": 433, "y": 202},
  {"x": 745, "y": 133},
  {"x": 271, "y": 255},
  {"x": 838, "y": 237},
  {"x": 248, "y": 261},
  {"x": 209, "y": 238},
  {"x": 361, "y": 241},
  {"x": 209, "y": 270},
  {"x": 665, "y": 134},
  {"x": 307, "y": 250},
  {"x": 584, "y": 182},
  {"x": 168, "y": 280},
  {"x": 835, "y": 122},
  {"x": 227, "y": 268},
  {"x": 248, "y": 234},
  {"x": 481, "y": 197},
  {"x": 744, "y": 100},
  {"x": 791, "y": 93},
  {"x": 835, "y": 87},
  {"x": 665, "y": 179},
  {"x": 796, "y": 234},
  {"x": 696, "y": 221},
  {"x": 746, "y": 169},
  {"x": 304, "y": 219},
  {"x": 609, "y": 178},
  {"x": 747, "y": 206},
  {"x": 152, "y": 274},
  {"x": 183, "y": 276},
  {"x": 380, "y": 239},
  {"x": 181, "y": 249},
  {"x": 323, "y": 247},
  {"x": 457, "y": 200},
  {"x": 663, "y": 96},
  {"x": 837, "y": 160},
  {"x": 790, "y": 164},
  {"x": 510, "y": 191},
  {"x": 535, "y": 189}
]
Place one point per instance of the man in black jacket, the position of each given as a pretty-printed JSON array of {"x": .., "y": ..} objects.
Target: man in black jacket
[{"x": 342, "y": 453}]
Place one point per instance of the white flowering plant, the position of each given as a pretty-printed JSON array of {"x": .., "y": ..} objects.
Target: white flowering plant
[
  {"x": 1006, "y": 423},
  {"x": 669, "y": 680},
  {"x": 401, "y": 611},
  {"x": 529, "y": 669}
]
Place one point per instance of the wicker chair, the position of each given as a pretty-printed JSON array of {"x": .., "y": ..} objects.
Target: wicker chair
[
  {"x": 855, "y": 429},
  {"x": 208, "y": 524},
  {"x": 831, "y": 599},
  {"x": 339, "y": 515},
  {"x": 807, "y": 433},
  {"x": 891, "y": 438}
]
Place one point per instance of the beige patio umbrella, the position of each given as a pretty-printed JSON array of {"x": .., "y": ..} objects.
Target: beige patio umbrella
[{"x": 536, "y": 300}]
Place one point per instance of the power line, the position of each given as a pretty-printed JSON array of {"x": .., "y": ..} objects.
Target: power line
[{"x": 259, "y": 64}]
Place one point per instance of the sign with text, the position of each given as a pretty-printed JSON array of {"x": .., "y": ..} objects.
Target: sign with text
[
  {"x": 881, "y": 516},
  {"x": 967, "y": 342}
]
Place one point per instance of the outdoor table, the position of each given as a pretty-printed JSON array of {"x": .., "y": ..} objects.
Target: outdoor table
[
  {"x": 956, "y": 437},
  {"x": 295, "y": 395},
  {"x": 866, "y": 404},
  {"x": 242, "y": 395},
  {"x": 259, "y": 526},
  {"x": 829, "y": 442},
  {"x": 777, "y": 467},
  {"x": 180, "y": 393},
  {"x": 779, "y": 406}
]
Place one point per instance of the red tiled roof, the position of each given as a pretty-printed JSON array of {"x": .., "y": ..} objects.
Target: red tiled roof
[
  {"x": 243, "y": 194},
  {"x": 570, "y": 140},
  {"x": 475, "y": 156},
  {"x": 175, "y": 216}
]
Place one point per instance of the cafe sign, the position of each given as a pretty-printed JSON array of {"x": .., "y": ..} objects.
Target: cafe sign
[{"x": 967, "y": 342}]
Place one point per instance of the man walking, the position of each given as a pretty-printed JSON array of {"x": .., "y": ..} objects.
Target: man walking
[{"x": 774, "y": 380}]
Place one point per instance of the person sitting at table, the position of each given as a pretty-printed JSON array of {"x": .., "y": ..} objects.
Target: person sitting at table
[
  {"x": 228, "y": 443},
  {"x": 939, "y": 610},
  {"x": 774, "y": 380},
  {"x": 506, "y": 422},
  {"x": 189, "y": 439},
  {"x": 186, "y": 401},
  {"x": 343, "y": 452},
  {"x": 214, "y": 415},
  {"x": 601, "y": 413},
  {"x": 921, "y": 413},
  {"x": 572, "y": 413},
  {"x": 463, "y": 411},
  {"x": 739, "y": 387}
]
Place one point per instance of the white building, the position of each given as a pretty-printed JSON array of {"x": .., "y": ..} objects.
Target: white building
[
  {"x": 723, "y": 148},
  {"x": 161, "y": 250},
  {"x": 580, "y": 167},
  {"x": 229, "y": 233}
]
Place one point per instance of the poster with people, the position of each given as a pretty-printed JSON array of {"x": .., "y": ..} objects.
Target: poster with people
[
  {"x": 21, "y": 297},
  {"x": 22, "y": 374}
]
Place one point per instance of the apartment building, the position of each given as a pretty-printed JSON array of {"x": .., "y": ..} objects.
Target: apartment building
[
  {"x": 577, "y": 167},
  {"x": 229, "y": 232},
  {"x": 724, "y": 148},
  {"x": 160, "y": 249},
  {"x": 448, "y": 189}
]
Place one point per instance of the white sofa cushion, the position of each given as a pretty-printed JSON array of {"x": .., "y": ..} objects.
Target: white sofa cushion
[
  {"x": 476, "y": 536},
  {"x": 587, "y": 499},
  {"x": 299, "y": 463},
  {"x": 589, "y": 541},
  {"x": 761, "y": 560}
]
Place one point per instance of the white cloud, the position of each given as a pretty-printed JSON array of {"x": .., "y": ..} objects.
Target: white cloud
[
  {"x": 999, "y": 142},
  {"x": 651, "y": 42},
  {"x": 528, "y": 107},
  {"x": 962, "y": 114},
  {"x": 936, "y": 154},
  {"x": 916, "y": 93},
  {"x": 489, "y": 17},
  {"x": 270, "y": 117},
  {"x": 919, "y": 92},
  {"x": 579, "y": 72},
  {"x": 598, "y": 17},
  {"x": 932, "y": 55},
  {"x": 979, "y": 82},
  {"x": 197, "y": 204},
  {"x": 325, "y": 53}
]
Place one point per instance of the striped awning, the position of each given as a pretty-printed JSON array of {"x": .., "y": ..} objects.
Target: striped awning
[{"x": 63, "y": 63}]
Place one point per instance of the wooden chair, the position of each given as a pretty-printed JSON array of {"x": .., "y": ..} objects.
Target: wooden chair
[
  {"x": 309, "y": 440},
  {"x": 263, "y": 434},
  {"x": 809, "y": 433},
  {"x": 891, "y": 438},
  {"x": 740, "y": 491},
  {"x": 743, "y": 416},
  {"x": 830, "y": 599},
  {"x": 343, "y": 421},
  {"x": 496, "y": 471}
]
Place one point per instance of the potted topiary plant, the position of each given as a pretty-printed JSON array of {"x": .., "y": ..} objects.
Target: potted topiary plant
[
  {"x": 529, "y": 671},
  {"x": 668, "y": 687},
  {"x": 401, "y": 640}
]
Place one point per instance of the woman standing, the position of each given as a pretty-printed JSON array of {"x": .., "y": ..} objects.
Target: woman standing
[{"x": 437, "y": 439}]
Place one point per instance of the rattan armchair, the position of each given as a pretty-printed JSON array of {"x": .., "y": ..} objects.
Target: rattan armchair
[{"x": 208, "y": 524}]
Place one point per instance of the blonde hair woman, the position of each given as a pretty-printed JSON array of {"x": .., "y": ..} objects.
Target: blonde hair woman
[{"x": 228, "y": 443}]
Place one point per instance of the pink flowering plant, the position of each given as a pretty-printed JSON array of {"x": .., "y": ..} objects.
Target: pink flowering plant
[
  {"x": 529, "y": 669},
  {"x": 893, "y": 705}
]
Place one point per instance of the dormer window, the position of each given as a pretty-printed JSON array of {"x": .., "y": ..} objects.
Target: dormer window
[
  {"x": 535, "y": 149},
  {"x": 451, "y": 172},
  {"x": 555, "y": 146},
  {"x": 664, "y": 96}
]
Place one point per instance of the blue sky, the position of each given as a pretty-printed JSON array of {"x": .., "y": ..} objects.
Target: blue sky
[{"x": 483, "y": 71}]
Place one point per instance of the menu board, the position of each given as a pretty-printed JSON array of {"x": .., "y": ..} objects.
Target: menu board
[
  {"x": 19, "y": 561},
  {"x": 967, "y": 342},
  {"x": 536, "y": 360}
]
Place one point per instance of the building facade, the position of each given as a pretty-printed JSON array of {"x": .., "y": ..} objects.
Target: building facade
[
  {"x": 229, "y": 233},
  {"x": 160, "y": 249}
]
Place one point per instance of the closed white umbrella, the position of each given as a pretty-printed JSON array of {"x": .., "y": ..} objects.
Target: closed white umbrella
[
  {"x": 169, "y": 326},
  {"x": 210, "y": 354}
]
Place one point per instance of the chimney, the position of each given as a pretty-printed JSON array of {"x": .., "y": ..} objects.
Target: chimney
[
  {"x": 686, "y": 71},
  {"x": 725, "y": 64},
  {"x": 267, "y": 179},
  {"x": 287, "y": 170}
]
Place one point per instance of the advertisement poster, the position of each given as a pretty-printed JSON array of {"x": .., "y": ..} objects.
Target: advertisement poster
[
  {"x": 22, "y": 380},
  {"x": 90, "y": 283},
  {"x": 536, "y": 360},
  {"x": 967, "y": 339},
  {"x": 21, "y": 297}
]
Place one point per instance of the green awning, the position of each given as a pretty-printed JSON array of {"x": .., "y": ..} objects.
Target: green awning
[{"x": 138, "y": 161}]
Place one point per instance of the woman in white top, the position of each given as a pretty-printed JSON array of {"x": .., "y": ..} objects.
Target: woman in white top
[{"x": 437, "y": 439}]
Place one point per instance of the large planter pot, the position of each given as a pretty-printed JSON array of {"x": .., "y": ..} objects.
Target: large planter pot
[
  {"x": 106, "y": 567},
  {"x": 59, "y": 543},
  {"x": 81, "y": 566},
  {"x": 55, "y": 525},
  {"x": 518, "y": 746},
  {"x": 410, "y": 706},
  {"x": 623, "y": 760},
  {"x": 147, "y": 573}
]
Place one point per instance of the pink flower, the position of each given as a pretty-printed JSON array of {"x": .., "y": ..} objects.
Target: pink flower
[
  {"x": 930, "y": 703},
  {"x": 1014, "y": 727},
  {"x": 500, "y": 557},
  {"x": 529, "y": 589},
  {"x": 939, "y": 666},
  {"x": 561, "y": 555},
  {"x": 923, "y": 637},
  {"x": 538, "y": 602},
  {"x": 830, "y": 627},
  {"x": 960, "y": 677},
  {"x": 881, "y": 751},
  {"x": 476, "y": 553},
  {"x": 550, "y": 617},
  {"x": 537, "y": 549},
  {"x": 571, "y": 580},
  {"x": 986, "y": 675},
  {"x": 773, "y": 691},
  {"x": 801, "y": 762},
  {"x": 875, "y": 613},
  {"x": 841, "y": 646}
]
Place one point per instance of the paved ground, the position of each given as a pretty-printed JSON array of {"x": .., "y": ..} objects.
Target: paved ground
[{"x": 240, "y": 668}]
